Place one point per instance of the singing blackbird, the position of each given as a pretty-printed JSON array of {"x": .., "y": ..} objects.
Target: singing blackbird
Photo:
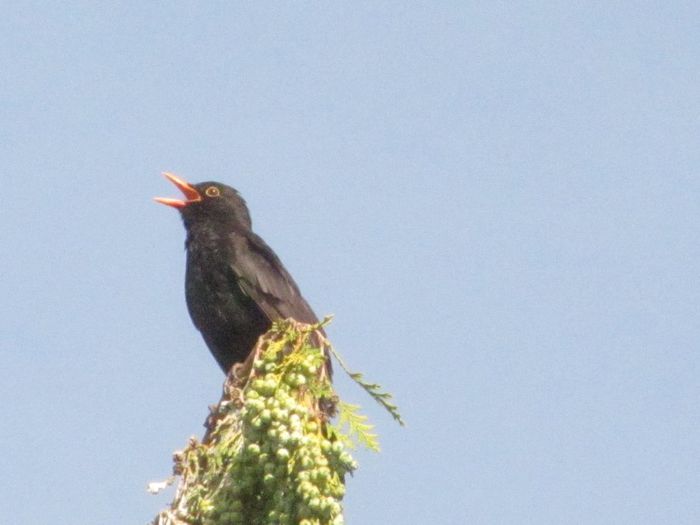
[{"x": 235, "y": 285}]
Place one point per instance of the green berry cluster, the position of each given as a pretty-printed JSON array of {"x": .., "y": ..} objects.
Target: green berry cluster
[
  {"x": 270, "y": 454},
  {"x": 288, "y": 466}
]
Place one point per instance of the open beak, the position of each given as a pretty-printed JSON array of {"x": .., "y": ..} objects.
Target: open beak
[{"x": 190, "y": 192}]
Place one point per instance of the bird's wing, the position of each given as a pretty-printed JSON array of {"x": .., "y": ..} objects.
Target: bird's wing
[{"x": 261, "y": 275}]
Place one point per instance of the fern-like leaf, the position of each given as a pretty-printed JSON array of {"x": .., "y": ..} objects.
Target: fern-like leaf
[
  {"x": 357, "y": 426},
  {"x": 373, "y": 389}
]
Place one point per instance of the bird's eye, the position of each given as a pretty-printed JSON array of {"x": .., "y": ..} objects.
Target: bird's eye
[{"x": 212, "y": 191}]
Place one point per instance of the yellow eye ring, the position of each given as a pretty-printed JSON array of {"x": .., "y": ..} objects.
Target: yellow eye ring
[{"x": 212, "y": 191}]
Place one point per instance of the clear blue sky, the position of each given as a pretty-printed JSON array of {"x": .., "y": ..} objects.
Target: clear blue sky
[{"x": 498, "y": 201}]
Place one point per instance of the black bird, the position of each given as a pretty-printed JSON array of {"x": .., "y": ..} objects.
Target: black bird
[{"x": 235, "y": 284}]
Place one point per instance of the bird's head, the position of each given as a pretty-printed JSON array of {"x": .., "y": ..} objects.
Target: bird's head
[{"x": 208, "y": 203}]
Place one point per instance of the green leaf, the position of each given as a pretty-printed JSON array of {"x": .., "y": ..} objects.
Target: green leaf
[
  {"x": 373, "y": 389},
  {"x": 357, "y": 426}
]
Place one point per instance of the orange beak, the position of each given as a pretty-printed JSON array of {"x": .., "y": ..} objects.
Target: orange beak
[{"x": 189, "y": 191}]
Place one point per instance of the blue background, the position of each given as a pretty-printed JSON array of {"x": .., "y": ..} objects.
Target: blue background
[{"x": 498, "y": 201}]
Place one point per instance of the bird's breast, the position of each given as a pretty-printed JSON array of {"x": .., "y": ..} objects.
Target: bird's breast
[
  {"x": 215, "y": 300},
  {"x": 229, "y": 320}
]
